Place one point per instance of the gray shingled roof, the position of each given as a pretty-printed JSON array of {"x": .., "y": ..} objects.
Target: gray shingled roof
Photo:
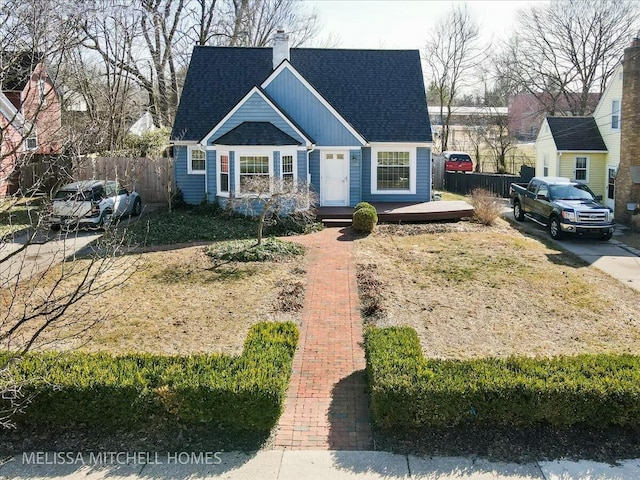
[
  {"x": 576, "y": 134},
  {"x": 379, "y": 92},
  {"x": 256, "y": 133}
]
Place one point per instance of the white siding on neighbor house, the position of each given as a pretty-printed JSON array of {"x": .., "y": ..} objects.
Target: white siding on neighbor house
[
  {"x": 602, "y": 116},
  {"x": 545, "y": 146}
]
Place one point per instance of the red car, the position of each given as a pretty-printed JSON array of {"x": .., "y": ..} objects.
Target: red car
[{"x": 457, "y": 162}]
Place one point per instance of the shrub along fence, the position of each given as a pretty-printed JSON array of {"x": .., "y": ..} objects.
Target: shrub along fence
[
  {"x": 409, "y": 391},
  {"x": 126, "y": 393}
]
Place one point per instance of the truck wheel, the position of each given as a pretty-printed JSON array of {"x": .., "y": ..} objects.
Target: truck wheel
[
  {"x": 517, "y": 212},
  {"x": 554, "y": 229}
]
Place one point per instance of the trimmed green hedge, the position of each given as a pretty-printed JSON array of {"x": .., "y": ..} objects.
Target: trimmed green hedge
[
  {"x": 365, "y": 217},
  {"x": 409, "y": 391},
  {"x": 241, "y": 393}
]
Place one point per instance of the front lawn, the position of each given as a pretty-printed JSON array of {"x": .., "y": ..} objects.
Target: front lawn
[
  {"x": 199, "y": 224},
  {"x": 183, "y": 302},
  {"x": 474, "y": 292},
  {"x": 18, "y": 214}
]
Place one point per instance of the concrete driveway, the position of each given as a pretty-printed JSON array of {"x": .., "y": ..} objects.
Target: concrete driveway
[
  {"x": 615, "y": 258},
  {"x": 46, "y": 249}
]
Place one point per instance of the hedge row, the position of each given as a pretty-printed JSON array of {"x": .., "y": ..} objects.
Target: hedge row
[
  {"x": 409, "y": 391},
  {"x": 240, "y": 393}
]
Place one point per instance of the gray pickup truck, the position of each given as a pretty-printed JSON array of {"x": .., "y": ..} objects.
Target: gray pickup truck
[{"x": 565, "y": 207}]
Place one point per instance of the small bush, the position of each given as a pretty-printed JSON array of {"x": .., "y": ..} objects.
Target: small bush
[
  {"x": 130, "y": 392},
  {"x": 371, "y": 291},
  {"x": 363, "y": 205},
  {"x": 271, "y": 249},
  {"x": 365, "y": 219},
  {"x": 409, "y": 391},
  {"x": 487, "y": 206}
]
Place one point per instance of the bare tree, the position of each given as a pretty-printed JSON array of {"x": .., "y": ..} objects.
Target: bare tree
[
  {"x": 498, "y": 138},
  {"x": 453, "y": 52},
  {"x": 271, "y": 199},
  {"x": 565, "y": 50}
]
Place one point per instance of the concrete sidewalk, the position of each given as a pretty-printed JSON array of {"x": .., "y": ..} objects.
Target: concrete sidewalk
[{"x": 305, "y": 464}]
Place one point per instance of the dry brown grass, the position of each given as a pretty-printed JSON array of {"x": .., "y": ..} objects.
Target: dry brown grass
[
  {"x": 474, "y": 291},
  {"x": 176, "y": 303}
]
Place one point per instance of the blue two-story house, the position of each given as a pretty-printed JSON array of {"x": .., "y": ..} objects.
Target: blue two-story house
[{"x": 352, "y": 123}]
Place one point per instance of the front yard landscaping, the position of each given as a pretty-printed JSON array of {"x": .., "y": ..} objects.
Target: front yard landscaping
[
  {"x": 472, "y": 292},
  {"x": 481, "y": 340}
]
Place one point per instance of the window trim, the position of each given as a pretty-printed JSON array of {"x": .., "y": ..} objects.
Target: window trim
[
  {"x": 219, "y": 156},
  {"x": 586, "y": 168},
  {"x": 190, "y": 169},
  {"x": 413, "y": 170},
  {"x": 616, "y": 114},
  {"x": 294, "y": 166},
  {"x": 258, "y": 152}
]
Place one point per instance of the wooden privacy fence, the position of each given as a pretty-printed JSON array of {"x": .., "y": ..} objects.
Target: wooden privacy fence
[
  {"x": 152, "y": 178},
  {"x": 499, "y": 184}
]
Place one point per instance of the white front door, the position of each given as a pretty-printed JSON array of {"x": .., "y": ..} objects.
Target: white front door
[
  {"x": 609, "y": 198},
  {"x": 334, "y": 179}
]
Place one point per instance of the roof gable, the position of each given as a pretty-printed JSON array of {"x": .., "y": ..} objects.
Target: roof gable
[
  {"x": 576, "y": 134},
  {"x": 301, "y": 100},
  {"x": 256, "y": 106},
  {"x": 256, "y": 133},
  {"x": 380, "y": 93}
]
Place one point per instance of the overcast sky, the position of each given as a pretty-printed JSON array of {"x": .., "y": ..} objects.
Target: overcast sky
[{"x": 401, "y": 24}]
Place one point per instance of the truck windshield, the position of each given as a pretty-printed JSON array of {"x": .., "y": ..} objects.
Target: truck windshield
[{"x": 570, "y": 192}]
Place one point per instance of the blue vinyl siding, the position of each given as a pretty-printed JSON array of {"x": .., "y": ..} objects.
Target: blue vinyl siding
[
  {"x": 314, "y": 118},
  {"x": 192, "y": 186},
  {"x": 232, "y": 172},
  {"x": 212, "y": 178},
  {"x": 423, "y": 179},
  {"x": 355, "y": 177},
  {"x": 276, "y": 165},
  {"x": 314, "y": 168},
  {"x": 255, "y": 109},
  {"x": 302, "y": 166}
]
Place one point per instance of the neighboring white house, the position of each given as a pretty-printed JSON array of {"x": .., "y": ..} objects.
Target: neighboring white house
[
  {"x": 585, "y": 149},
  {"x": 143, "y": 125}
]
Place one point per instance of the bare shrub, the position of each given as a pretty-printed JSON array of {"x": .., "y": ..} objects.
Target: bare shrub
[
  {"x": 371, "y": 291},
  {"x": 487, "y": 206}
]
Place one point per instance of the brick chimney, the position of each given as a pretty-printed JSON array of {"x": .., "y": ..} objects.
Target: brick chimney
[
  {"x": 628, "y": 178},
  {"x": 280, "y": 47}
]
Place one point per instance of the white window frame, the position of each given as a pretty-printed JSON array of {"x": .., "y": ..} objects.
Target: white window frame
[
  {"x": 294, "y": 155},
  {"x": 190, "y": 169},
  {"x": 586, "y": 169},
  {"x": 545, "y": 165},
  {"x": 412, "y": 170},
  {"x": 219, "y": 156},
  {"x": 257, "y": 152},
  {"x": 33, "y": 135},
  {"x": 615, "y": 114}
]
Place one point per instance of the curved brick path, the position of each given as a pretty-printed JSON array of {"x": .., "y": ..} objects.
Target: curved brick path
[{"x": 327, "y": 404}]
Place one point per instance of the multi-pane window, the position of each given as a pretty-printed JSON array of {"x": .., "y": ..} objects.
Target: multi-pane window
[
  {"x": 224, "y": 173},
  {"x": 287, "y": 168},
  {"x": 615, "y": 115},
  {"x": 197, "y": 160},
  {"x": 393, "y": 171},
  {"x": 546, "y": 165},
  {"x": 252, "y": 167},
  {"x": 581, "y": 169}
]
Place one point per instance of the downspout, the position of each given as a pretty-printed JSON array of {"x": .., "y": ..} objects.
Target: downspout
[
  {"x": 309, "y": 152},
  {"x": 206, "y": 175}
]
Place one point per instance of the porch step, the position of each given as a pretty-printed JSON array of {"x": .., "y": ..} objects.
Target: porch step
[{"x": 336, "y": 222}]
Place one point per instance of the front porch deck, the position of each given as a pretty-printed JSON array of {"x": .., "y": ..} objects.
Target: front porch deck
[{"x": 401, "y": 212}]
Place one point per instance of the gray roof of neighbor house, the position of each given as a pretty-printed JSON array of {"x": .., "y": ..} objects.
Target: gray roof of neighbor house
[
  {"x": 379, "y": 92},
  {"x": 256, "y": 133},
  {"x": 576, "y": 134}
]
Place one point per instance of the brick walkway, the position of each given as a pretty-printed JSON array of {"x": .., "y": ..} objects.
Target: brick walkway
[{"x": 327, "y": 404}]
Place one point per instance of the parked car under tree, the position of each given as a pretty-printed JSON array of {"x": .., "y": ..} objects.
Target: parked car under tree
[{"x": 91, "y": 204}]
